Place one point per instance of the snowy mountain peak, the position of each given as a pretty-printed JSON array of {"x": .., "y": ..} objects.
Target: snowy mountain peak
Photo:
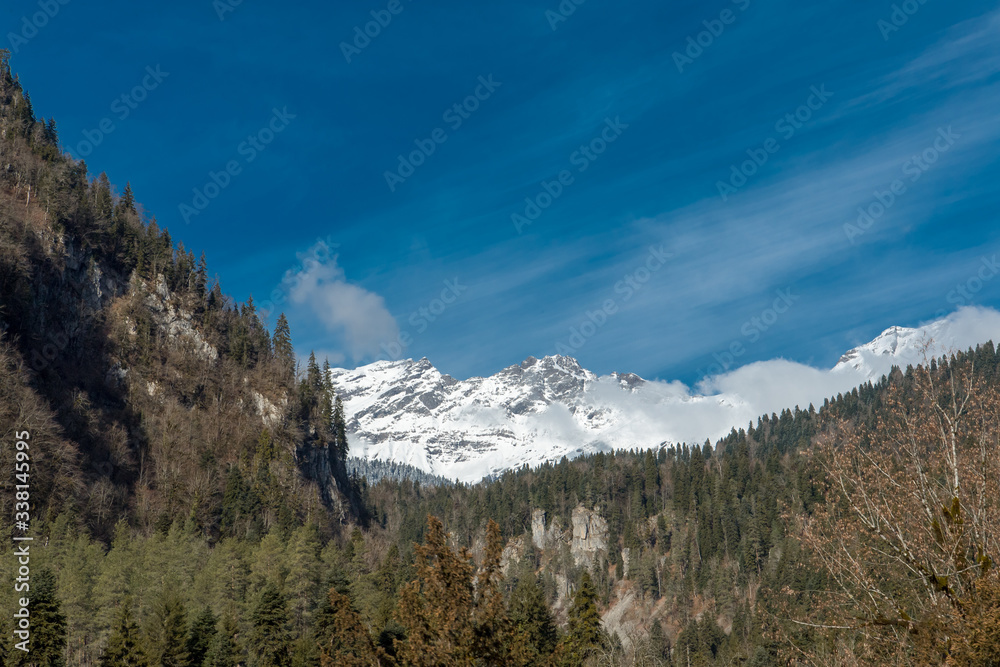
[
  {"x": 903, "y": 346},
  {"x": 543, "y": 409}
]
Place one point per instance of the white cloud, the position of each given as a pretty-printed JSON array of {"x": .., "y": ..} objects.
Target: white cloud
[
  {"x": 671, "y": 411},
  {"x": 767, "y": 387},
  {"x": 355, "y": 315}
]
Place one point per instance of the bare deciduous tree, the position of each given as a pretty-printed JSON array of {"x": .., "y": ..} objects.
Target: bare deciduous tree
[{"x": 910, "y": 528}]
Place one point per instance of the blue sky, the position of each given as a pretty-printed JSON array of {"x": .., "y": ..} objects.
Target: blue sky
[{"x": 668, "y": 128}]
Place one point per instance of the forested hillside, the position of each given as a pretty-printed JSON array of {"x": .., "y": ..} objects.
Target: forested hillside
[
  {"x": 151, "y": 394},
  {"x": 192, "y": 504}
]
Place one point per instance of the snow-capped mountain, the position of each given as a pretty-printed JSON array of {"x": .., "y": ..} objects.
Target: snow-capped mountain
[
  {"x": 900, "y": 346},
  {"x": 543, "y": 409}
]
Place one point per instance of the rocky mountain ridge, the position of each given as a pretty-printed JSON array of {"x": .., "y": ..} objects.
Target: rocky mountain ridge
[{"x": 543, "y": 409}]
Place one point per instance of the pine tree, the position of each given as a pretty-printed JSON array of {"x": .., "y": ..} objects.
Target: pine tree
[
  {"x": 344, "y": 641},
  {"x": 436, "y": 608},
  {"x": 224, "y": 651},
  {"x": 584, "y": 636},
  {"x": 659, "y": 645},
  {"x": 313, "y": 375},
  {"x": 268, "y": 641},
  {"x": 48, "y": 623},
  {"x": 125, "y": 646},
  {"x": 168, "y": 632},
  {"x": 282, "y": 345},
  {"x": 103, "y": 204},
  {"x": 304, "y": 573},
  {"x": 340, "y": 430},
  {"x": 201, "y": 280},
  {"x": 51, "y": 134},
  {"x": 327, "y": 378},
  {"x": 215, "y": 300},
  {"x": 200, "y": 635},
  {"x": 533, "y": 622},
  {"x": 127, "y": 201},
  {"x": 494, "y": 632},
  {"x": 326, "y": 418}
]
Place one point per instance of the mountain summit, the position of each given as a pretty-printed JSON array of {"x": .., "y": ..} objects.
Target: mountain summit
[{"x": 543, "y": 409}]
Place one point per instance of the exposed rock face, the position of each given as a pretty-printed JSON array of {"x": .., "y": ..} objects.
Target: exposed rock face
[
  {"x": 268, "y": 411},
  {"x": 624, "y": 618},
  {"x": 546, "y": 537},
  {"x": 590, "y": 535},
  {"x": 319, "y": 466},
  {"x": 176, "y": 322},
  {"x": 69, "y": 302},
  {"x": 538, "y": 528},
  {"x": 626, "y": 562},
  {"x": 512, "y": 553}
]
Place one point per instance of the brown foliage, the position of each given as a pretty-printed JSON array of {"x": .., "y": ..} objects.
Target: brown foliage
[
  {"x": 450, "y": 618},
  {"x": 911, "y": 526},
  {"x": 348, "y": 644}
]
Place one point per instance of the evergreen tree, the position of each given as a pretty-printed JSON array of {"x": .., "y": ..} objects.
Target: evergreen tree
[
  {"x": 5, "y": 78},
  {"x": 201, "y": 279},
  {"x": 340, "y": 430},
  {"x": 126, "y": 203},
  {"x": 436, "y": 608},
  {"x": 51, "y": 134},
  {"x": 48, "y": 623},
  {"x": 103, "y": 204},
  {"x": 344, "y": 641},
  {"x": 200, "y": 635},
  {"x": 659, "y": 645},
  {"x": 493, "y": 628},
  {"x": 224, "y": 651},
  {"x": 303, "y": 580},
  {"x": 584, "y": 636},
  {"x": 168, "y": 631},
  {"x": 313, "y": 375},
  {"x": 533, "y": 622},
  {"x": 125, "y": 645},
  {"x": 327, "y": 379},
  {"x": 268, "y": 642},
  {"x": 326, "y": 418},
  {"x": 216, "y": 301},
  {"x": 282, "y": 345}
]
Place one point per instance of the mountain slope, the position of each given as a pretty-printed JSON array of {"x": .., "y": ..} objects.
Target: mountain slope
[
  {"x": 541, "y": 410},
  {"x": 149, "y": 395}
]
